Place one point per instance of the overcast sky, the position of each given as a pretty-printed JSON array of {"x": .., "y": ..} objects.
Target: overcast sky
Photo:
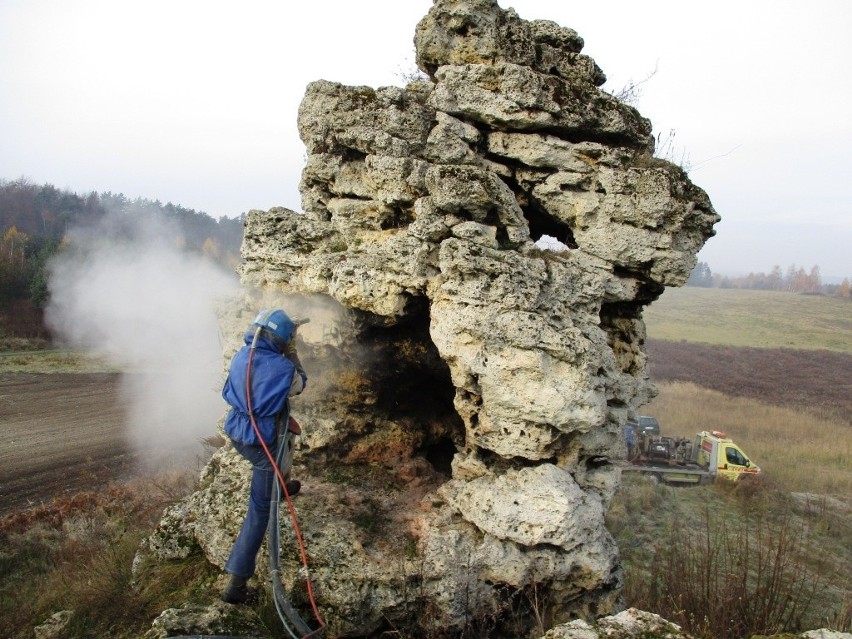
[{"x": 194, "y": 102}]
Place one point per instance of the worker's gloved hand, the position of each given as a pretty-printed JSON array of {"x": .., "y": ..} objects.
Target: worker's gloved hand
[
  {"x": 291, "y": 354},
  {"x": 290, "y": 350}
]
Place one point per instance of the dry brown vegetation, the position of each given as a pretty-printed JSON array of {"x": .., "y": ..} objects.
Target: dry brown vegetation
[
  {"x": 76, "y": 553},
  {"x": 730, "y": 561}
]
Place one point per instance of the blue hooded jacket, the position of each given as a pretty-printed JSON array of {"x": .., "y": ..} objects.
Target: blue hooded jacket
[{"x": 271, "y": 378}]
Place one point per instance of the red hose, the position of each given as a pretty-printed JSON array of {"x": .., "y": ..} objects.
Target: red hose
[{"x": 290, "y": 507}]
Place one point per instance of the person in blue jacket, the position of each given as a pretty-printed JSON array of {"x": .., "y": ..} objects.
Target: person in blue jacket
[{"x": 276, "y": 374}]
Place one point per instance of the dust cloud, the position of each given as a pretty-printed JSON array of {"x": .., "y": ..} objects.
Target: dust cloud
[
  {"x": 125, "y": 291},
  {"x": 328, "y": 325}
]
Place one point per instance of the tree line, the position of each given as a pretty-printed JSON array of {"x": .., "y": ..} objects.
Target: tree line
[
  {"x": 794, "y": 280},
  {"x": 35, "y": 221}
]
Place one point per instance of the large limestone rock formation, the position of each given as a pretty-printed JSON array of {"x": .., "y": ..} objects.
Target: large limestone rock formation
[{"x": 467, "y": 386}]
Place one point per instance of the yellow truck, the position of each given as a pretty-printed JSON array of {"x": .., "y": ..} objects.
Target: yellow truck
[{"x": 709, "y": 455}]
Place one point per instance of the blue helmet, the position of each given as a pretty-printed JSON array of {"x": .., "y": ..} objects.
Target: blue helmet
[{"x": 277, "y": 322}]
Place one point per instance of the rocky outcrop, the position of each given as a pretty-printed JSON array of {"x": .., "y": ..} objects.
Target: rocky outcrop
[
  {"x": 638, "y": 624},
  {"x": 628, "y": 624},
  {"x": 207, "y": 621},
  {"x": 467, "y": 386}
]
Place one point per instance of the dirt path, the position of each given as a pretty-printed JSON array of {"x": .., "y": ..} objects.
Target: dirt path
[{"x": 59, "y": 433}]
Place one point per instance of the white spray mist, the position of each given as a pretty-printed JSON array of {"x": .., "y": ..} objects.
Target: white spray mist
[{"x": 124, "y": 291}]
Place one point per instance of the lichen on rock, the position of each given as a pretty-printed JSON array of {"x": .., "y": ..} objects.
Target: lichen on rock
[{"x": 467, "y": 386}]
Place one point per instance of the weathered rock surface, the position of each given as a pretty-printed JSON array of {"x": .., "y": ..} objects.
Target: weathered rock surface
[
  {"x": 467, "y": 387},
  {"x": 54, "y": 627},
  {"x": 218, "y": 619},
  {"x": 826, "y": 633},
  {"x": 638, "y": 624},
  {"x": 628, "y": 624}
]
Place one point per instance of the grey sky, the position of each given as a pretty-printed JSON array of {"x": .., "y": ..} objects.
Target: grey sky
[{"x": 195, "y": 102}]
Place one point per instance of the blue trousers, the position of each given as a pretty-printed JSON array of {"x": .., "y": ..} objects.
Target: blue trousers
[{"x": 242, "y": 560}]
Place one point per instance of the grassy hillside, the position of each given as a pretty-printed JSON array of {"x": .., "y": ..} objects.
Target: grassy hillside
[
  {"x": 732, "y": 561},
  {"x": 764, "y": 319}
]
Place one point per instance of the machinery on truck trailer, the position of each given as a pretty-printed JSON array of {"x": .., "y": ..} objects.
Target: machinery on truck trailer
[{"x": 681, "y": 460}]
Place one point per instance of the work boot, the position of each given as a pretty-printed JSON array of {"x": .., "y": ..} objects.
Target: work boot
[
  {"x": 293, "y": 487},
  {"x": 237, "y": 592}
]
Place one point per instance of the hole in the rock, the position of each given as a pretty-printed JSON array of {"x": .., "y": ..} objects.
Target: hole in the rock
[
  {"x": 551, "y": 244},
  {"x": 412, "y": 383},
  {"x": 617, "y": 319},
  {"x": 649, "y": 290},
  {"x": 597, "y": 462},
  {"x": 348, "y": 154},
  {"x": 544, "y": 224},
  {"x": 440, "y": 454},
  {"x": 540, "y": 221},
  {"x": 399, "y": 219},
  {"x": 501, "y": 464}
]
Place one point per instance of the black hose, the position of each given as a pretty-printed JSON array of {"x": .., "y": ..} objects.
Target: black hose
[{"x": 286, "y": 612}]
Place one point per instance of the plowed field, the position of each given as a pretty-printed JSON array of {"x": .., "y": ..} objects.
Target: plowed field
[
  {"x": 59, "y": 433},
  {"x": 817, "y": 380}
]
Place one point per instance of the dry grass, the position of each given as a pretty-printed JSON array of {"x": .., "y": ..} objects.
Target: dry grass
[
  {"x": 49, "y": 360},
  {"x": 728, "y": 563},
  {"x": 76, "y": 553},
  {"x": 795, "y": 449},
  {"x": 763, "y": 319}
]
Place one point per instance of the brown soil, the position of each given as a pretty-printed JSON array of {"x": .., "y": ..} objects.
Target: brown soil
[
  {"x": 59, "y": 433},
  {"x": 818, "y": 381}
]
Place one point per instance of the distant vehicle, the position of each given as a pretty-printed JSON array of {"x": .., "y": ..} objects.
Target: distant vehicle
[{"x": 683, "y": 461}]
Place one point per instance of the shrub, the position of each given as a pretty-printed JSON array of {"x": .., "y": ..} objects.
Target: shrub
[
  {"x": 76, "y": 553},
  {"x": 731, "y": 577}
]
